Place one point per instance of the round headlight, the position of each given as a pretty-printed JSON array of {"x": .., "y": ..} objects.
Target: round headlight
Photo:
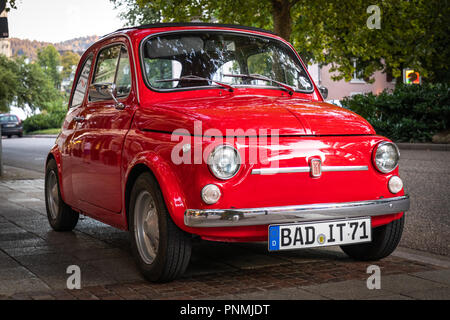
[
  {"x": 386, "y": 157},
  {"x": 224, "y": 162}
]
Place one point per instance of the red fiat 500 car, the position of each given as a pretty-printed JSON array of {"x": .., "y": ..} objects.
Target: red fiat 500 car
[{"x": 177, "y": 131}]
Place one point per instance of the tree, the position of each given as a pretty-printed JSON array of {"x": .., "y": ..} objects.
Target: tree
[
  {"x": 413, "y": 33},
  {"x": 36, "y": 87},
  {"x": 134, "y": 14},
  {"x": 68, "y": 60},
  {"x": 25, "y": 85},
  {"x": 11, "y": 4},
  {"x": 8, "y": 83},
  {"x": 49, "y": 59}
]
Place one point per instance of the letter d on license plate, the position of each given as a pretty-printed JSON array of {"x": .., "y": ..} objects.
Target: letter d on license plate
[{"x": 319, "y": 234}]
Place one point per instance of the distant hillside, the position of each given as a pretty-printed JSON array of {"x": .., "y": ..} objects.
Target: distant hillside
[{"x": 29, "y": 48}]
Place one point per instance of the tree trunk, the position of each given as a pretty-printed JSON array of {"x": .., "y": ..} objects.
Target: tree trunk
[{"x": 282, "y": 20}]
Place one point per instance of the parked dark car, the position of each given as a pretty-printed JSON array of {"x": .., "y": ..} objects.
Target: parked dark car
[{"x": 11, "y": 125}]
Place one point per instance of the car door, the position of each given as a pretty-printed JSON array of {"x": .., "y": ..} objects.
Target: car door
[
  {"x": 99, "y": 139},
  {"x": 69, "y": 127}
]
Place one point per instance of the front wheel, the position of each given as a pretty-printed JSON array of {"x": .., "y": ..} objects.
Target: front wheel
[
  {"x": 384, "y": 241},
  {"x": 162, "y": 250}
]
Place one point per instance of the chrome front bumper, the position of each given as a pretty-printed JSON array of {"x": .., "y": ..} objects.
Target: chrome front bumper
[{"x": 291, "y": 214}]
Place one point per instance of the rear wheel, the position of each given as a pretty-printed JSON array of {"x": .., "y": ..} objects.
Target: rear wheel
[
  {"x": 162, "y": 250},
  {"x": 384, "y": 241},
  {"x": 60, "y": 216}
]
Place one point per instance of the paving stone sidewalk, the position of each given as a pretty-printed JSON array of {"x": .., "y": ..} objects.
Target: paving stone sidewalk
[{"x": 34, "y": 260}]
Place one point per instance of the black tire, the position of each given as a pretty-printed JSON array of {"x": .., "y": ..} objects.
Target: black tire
[
  {"x": 64, "y": 218},
  {"x": 384, "y": 241},
  {"x": 20, "y": 135},
  {"x": 174, "y": 245},
  {"x": 9, "y": 136}
]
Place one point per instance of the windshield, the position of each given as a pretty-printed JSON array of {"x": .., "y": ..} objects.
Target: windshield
[{"x": 218, "y": 56}]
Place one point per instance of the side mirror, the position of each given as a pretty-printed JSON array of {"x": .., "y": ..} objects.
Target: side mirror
[
  {"x": 102, "y": 91},
  {"x": 323, "y": 92}
]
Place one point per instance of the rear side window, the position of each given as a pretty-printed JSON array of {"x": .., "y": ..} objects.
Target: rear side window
[
  {"x": 113, "y": 66},
  {"x": 82, "y": 82}
]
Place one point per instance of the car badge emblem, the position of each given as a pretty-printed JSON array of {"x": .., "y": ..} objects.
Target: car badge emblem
[{"x": 316, "y": 168}]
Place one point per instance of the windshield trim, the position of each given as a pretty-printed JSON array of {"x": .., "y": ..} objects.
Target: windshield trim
[{"x": 160, "y": 90}]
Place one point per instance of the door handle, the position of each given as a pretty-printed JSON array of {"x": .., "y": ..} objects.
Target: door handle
[{"x": 79, "y": 119}]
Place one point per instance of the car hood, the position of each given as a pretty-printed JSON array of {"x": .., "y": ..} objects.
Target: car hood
[{"x": 236, "y": 115}]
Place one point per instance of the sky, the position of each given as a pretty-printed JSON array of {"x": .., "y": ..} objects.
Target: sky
[{"x": 59, "y": 20}]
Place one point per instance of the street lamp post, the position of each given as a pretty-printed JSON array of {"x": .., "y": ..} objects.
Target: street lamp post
[
  {"x": 1, "y": 161},
  {"x": 3, "y": 34}
]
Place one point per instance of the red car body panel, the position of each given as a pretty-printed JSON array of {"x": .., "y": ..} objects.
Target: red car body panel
[{"x": 96, "y": 158}]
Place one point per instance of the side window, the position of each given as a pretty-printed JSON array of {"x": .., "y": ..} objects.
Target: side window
[
  {"x": 160, "y": 69},
  {"x": 278, "y": 66},
  {"x": 82, "y": 82},
  {"x": 107, "y": 65},
  {"x": 113, "y": 66},
  {"x": 123, "y": 77},
  {"x": 230, "y": 67}
]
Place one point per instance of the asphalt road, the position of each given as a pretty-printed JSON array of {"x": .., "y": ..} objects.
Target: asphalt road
[
  {"x": 426, "y": 175},
  {"x": 26, "y": 153}
]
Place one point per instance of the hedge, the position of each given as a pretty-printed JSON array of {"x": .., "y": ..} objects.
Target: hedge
[
  {"x": 44, "y": 120},
  {"x": 410, "y": 113}
]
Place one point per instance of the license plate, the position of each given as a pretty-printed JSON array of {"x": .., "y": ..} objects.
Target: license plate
[
  {"x": 319, "y": 234},
  {"x": 10, "y": 125}
]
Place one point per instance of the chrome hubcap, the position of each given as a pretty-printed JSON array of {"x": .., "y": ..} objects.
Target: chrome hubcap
[
  {"x": 146, "y": 230},
  {"x": 52, "y": 194}
]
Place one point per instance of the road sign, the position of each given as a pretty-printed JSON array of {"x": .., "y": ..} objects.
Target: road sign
[
  {"x": 2, "y": 5},
  {"x": 411, "y": 76},
  {"x": 4, "y": 33}
]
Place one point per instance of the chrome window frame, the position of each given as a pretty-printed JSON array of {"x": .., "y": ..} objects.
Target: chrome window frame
[{"x": 92, "y": 78}]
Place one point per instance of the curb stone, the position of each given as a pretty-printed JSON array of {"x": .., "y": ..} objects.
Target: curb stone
[{"x": 423, "y": 146}]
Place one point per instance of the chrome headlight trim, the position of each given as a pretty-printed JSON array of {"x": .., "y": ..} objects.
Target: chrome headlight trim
[
  {"x": 212, "y": 166},
  {"x": 374, "y": 156}
]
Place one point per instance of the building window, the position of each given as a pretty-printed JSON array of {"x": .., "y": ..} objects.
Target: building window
[{"x": 357, "y": 75}]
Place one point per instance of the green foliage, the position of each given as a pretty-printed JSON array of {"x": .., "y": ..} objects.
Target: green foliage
[
  {"x": 51, "y": 117},
  {"x": 24, "y": 84},
  {"x": 35, "y": 88},
  {"x": 11, "y": 4},
  {"x": 49, "y": 59},
  {"x": 134, "y": 14},
  {"x": 68, "y": 60},
  {"x": 409, "y": 113},
  {"x": 413, "y": 33},
  {"x": 8, "y": 82}
]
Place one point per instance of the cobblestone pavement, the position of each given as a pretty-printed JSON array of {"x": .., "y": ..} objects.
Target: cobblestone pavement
[{"x": 34, "y": 260}]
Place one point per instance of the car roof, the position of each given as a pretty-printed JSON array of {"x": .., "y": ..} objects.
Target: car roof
[{"x": 194, "y": 24}]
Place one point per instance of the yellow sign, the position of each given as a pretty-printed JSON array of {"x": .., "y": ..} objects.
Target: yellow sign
[{"x": 410, "y": 76}]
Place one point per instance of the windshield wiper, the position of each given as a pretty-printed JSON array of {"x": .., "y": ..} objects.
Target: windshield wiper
[
  {"x": 197, "y": 78},
  {"x": 256, "y": 76}
]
